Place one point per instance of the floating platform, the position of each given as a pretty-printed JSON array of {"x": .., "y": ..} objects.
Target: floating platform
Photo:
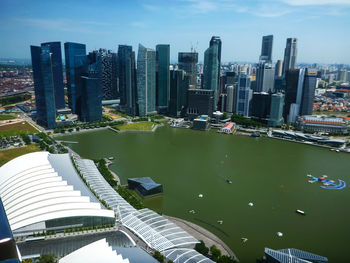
[{"x": 328, "y": 184}]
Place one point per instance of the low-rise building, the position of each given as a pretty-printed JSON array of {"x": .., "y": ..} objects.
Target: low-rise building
[
  {"x": 313, "y": 123},
  {"x": 229, "y": 128},
  {"x": 201, "y": 123}
]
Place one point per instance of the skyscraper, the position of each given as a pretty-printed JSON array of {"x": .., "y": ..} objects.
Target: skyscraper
[
  {"x": 215, "y": 40},
  {"x": 276, "y": 110},
  {"x": 108, "y": 73},
  {"x": 163, "y": 75},
  {"x": 127, "y": 79},
  {"x": 290, "y": 55},
  {"x": 266, "y": 49},
  {"x": 146, "y": 80},
  {"x": 179, "y": 84},
  {"x": 230, "y": 100},
  {"x": 264, "y": 78},
  {"x": 200, "y": 102},
  {"x": 279, "y": 68},
  {"x": 188, "y": 62},
  {"x": 89, "y": 87},
  {"x": 210, "y": 71},
  {"x": 300, "y": 90},
  {"x": 57, "y": 72},
  {"x": 44, "y": 86},
  {"x": 71, "y": 50},
  {"x": 260, "y": 108},
  {"x": 244, "y": 95}
]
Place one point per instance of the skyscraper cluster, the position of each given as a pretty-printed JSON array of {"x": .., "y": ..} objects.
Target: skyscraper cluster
[{"x": 147, "y": 84}]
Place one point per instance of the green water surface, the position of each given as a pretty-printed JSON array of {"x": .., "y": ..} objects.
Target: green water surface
[{"x": 268, "y": 172}]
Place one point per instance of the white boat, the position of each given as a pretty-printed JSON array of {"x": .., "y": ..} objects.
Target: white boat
[{"x": 300, "y": 212}]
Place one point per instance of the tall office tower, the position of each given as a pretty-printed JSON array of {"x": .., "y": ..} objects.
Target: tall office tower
[
  {"x": 342, "y": 75},
  {"x": 266, "y": 49},
  {"x": 260, "y": 106},
  {"x": 200, "y": 102},
  {"x": 57, "y": 72},
  {"x": 163, "y": 76},
  {"x": 210, "y": 71},
  {"x": 115, "y": 80},
  {"x": 44, "y": 86},
  {"x": 179, "y": 84},
  {"x": 109, "y": 89},
  {"x": 300, "y": 89},
  {"x": 265, "y": 75},
  {"x": 127, "y": 79},
  {"x": 276, "y": 110},
  {"x": 229, "y": 78},
  {"x": 146, "y": 80},
  {"x": 216, "y": 41},
  {"x": 290, "y": 55},
  {"x": 278, "y": 68},
  {"x": 188, "y": 62},
  {"x": 88, "y": 78},
  {"x": 70, "y": 51},
  {"x": 230, "y": 100},
  {"x": 222, "y": 102},
  {"x": 244, "y": 95},
  {"x": 308, "y": 95}
]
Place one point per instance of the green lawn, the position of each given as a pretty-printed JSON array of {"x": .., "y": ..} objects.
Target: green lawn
[
  {"x": 136, "y": 126},
  {"x": 15, "y": 129},
  {"x": 5, "y": 117},
  {"x": 7, "y": 155}
]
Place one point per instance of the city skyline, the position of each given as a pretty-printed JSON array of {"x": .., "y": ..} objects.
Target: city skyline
[{"x": 318, "y": 26}]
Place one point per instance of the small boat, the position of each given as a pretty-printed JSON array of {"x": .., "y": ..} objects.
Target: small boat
[
  {"x": 220, "y": 222},
  {"x": 228, "y": 181},
  {"x": 111, "y": 158},
  {"x": 251, "y": 204},
  {"x": 337, "y": 150},
  {"x": 280, "y": 234},
  {"x": 300, "y": 212},
  {"x": 255, "y": 135},
  {"x": 244, "y": 239}
]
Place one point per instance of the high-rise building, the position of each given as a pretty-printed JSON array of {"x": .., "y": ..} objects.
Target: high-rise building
[
  {"x": 71, "y": 50},
  {"x": 88, "y": 80},
  {"x": 216, "y": 41},
  {"x": 146, "y": 80},
  {"x": 265, "y": 75},
  {"x": 244, "y": 95},
  {"x": 342, "y": 75},
  {"x": 229, "y": 78},
  {"x": 127, "y": 79},
  {"x": 200, "y": 102},
  {"x": 266, "y": 49},
  {"x": 179, "y": 84},
  {"x": 290, "y": 55},
  {"x": 210, "y": 71},
  {"x": 44, "y": 86},
  {"x": 188, "y": 62},
  {"x": 300, "y": 90},
  {"x": 163, "y": 75},
  {"x": 276, "y": 110},
  {"x": 57, "y": 72},
  {"x": 230, "y": 100},
  {"x": 108, "y": 74},
  {"x": 279, "y": 68},
  {"x": 260, "y": 106}
]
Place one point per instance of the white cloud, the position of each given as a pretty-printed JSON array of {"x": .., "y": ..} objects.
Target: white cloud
[
  {"x": 316, "y": 2},
  {"x": 138, "y": 24}
]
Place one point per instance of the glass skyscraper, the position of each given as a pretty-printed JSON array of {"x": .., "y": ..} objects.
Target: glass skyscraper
[
  {"x": 179, "y": 83},
  {"x": 210, "y": 71},
  {"x": 290, "y": 55},
  {"x": 44, "y": 86},
  {"x": 266, "y": 49},
  {"x": 71, "y": 50},
  {"x": 244, "y": 95},
  {"x": 276, "y": 110},
  {"x": 163, "y": 76},
  {"x": 146, "y": 80},
  {"x": 57, "y": 72},
  {"x": 127, "y": 79},
  {"x": 215, "y": 40},
  {"x": 188, "y": 62}
]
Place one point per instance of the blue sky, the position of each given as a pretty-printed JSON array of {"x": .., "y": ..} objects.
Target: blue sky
[{"x": 321, "y": 26}]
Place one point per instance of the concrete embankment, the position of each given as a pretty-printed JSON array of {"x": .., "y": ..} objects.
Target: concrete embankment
[{"x": 202, "y": 234}]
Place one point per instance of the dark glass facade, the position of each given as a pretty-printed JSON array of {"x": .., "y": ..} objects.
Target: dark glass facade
[
  {"x": 43, "y": 86},
  {"x": 127, "y": 79},
  {"x": 260, "y": 106},
  {"x": 292, "y": 78},
  {"x": 308, "y": 94},
  {"x": 163, "y": 75},
  {"x": 200, "y": 102},
  {"x": 266, "y": 49},
  {"x": 179, "y": 84},
  {"x": 71, "y": 50},
  {"x": 57, "y": 72},
  {"x": 188, "y": 62},
  {"x": 210, "y": 71}
]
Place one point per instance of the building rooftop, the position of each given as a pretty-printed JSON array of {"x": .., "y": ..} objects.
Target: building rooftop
[
  {"x": 145, "y": 182},
  {"x": 292, "y": 255}
]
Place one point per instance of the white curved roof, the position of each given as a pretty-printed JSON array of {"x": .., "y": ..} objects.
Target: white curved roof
[
  {"x": 185, "y": 255},
  {"x": 34, "y": 189}
]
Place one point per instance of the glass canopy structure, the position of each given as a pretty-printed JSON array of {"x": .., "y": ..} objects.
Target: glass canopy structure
[{"x": 155, "y": 230}]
